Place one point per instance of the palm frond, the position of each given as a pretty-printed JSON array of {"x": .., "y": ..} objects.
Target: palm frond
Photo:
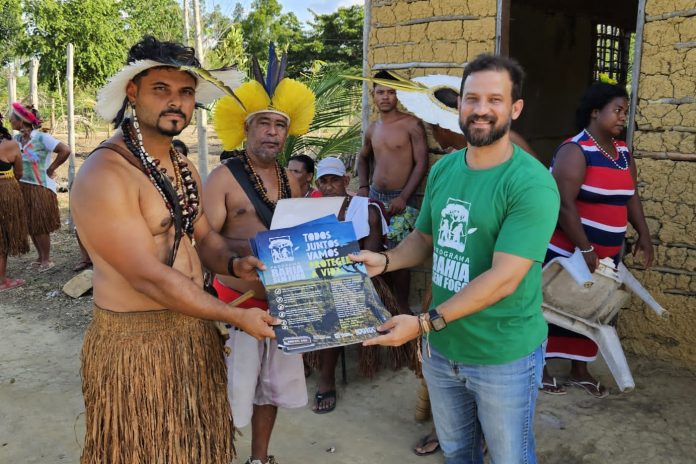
[{"x": 333, "y": 130}]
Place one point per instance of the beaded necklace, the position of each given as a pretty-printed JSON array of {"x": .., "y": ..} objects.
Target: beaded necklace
[
  {"x": 281, "y": 177},
  {"x": 185, "y": 190},
  {"x": 611, "y": 158}
]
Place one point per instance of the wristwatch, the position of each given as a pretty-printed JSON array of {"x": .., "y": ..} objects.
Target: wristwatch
[{"x": 437, "y": 322}]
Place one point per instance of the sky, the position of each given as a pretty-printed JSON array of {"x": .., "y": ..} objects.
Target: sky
[{"x": 299, "y": 7}]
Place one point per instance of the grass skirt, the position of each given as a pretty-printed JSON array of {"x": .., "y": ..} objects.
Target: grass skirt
[
  {"x": 41, "y": 206},
  {"x": 155, "y": 390},
  {"x": 13, "y": 221}
]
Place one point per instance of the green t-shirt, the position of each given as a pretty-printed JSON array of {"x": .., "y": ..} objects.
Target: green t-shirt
[{"x": 511, "y": 208}]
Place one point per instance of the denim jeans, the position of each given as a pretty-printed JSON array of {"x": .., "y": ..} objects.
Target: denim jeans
[{"x": 496, "y": 401}]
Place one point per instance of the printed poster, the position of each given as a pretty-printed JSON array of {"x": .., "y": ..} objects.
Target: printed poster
[{"x": 323, "y": 298}]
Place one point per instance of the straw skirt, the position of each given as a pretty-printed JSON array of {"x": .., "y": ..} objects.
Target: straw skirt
[
  {"x": 155, "y": 390},
  {"x": 41, "y": 205},
  {"x": 13, "y": 220}
]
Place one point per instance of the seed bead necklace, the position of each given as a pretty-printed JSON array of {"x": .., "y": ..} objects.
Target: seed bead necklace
[
  {"x": 281, "y": 178},
  {"x": 185, "y": 187},
  {"x": 611, "y": 158}
]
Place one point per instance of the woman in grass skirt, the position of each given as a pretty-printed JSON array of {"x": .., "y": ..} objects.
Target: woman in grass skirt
[
  {"x": 13, "y": 221},
  {"x": 37, "y": 184}
]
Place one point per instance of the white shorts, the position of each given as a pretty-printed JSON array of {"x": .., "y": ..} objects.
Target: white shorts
[{"x": 260, "y": 373}]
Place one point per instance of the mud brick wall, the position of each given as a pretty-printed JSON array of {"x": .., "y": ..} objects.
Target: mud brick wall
[
  {"x": 437, "y": 32},
  {"x": 665, "y": 145}
]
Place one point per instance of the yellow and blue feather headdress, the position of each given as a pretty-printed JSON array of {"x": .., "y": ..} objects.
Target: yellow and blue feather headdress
[{"x": 273, "y": 93}]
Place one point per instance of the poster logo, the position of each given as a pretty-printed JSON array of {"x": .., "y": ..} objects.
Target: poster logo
[{"x": 281, "y": 249}]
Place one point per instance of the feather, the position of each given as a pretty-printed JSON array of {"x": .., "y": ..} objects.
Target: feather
[
  {"x": 283, "y": 66},
  {"x": 399, "y": 84},
  {"x": 270, "y": 73},
  {"x": 297, "y": 101},
  {"x": 213, "y": 79},
  {"x": 258, "y": 74}
]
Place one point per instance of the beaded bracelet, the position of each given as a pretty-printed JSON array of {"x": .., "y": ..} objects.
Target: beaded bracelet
[
  {"x": 589, "y": 250},
  {"x": 230, "y": 267},
  {"x": 386, "y": 262}
]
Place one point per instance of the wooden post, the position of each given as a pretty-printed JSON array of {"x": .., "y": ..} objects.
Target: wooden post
[
  {"x": 201, "y": 115},
  {"x": 367, "y": 72},
  {"x": 71, "y": 123},
  {"x": 34, "y": 81},
  {"x": 53, "y": 114},
  {"x": 635, "y": 76},
  {"x": 11, "y": 84},
  {"x": 60, "y": 93},
  {"x": 187, "y": 24}
]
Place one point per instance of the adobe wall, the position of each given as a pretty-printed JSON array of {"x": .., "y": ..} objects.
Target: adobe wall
[{"x": 666, "y": 140}]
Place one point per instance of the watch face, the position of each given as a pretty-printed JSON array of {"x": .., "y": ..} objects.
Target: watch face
[
  {"x": 438, "y": 324},
  {"x": 436, "y": 320}
]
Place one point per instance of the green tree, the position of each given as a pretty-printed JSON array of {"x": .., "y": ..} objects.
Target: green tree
[
  {"x": 267, "y": 23},
  {"x": 94, "y": 27},
  {"x": 11, "y": 29},
  {"x": 334, "y": 38},
  {"x": 162, "y": 19}
]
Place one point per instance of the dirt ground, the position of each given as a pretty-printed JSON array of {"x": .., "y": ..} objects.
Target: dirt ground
[{"x": 42, "y": 414}]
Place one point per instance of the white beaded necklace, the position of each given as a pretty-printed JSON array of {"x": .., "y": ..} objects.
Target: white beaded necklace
[{"x": 611, "y": 158}]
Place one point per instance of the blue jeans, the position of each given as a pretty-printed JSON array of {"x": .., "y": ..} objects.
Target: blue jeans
[{"x": 496, "y": 401}]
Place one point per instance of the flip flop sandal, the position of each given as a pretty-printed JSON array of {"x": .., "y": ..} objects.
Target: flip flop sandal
[
  {"x": 553, "y": 388},
  {"x": 34, "y": 265},
  {"x": 591, "y": 388},
  {"x": 82, "y": 265},
  {"x": 425, "y": 441},
  {"x": 319, "y": 397},
  {"x": 9, "y": 284},
  {"x": 46, "y": 267}
]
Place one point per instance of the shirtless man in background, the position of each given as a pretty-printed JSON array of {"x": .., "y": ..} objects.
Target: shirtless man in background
[
  {"x": 153, "y": 373},
  {"x": 396, "y": 144}
]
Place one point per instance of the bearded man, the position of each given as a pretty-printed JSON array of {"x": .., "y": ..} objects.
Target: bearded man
[
  {"x": 487, "y": 215},
  {"x": 153, "y": 371}
]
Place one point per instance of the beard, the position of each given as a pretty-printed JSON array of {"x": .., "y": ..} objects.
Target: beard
[
  {"x": 481, "y": 138},
  {"x": 176, "y": 127},
  {"x": 264, "y": 153}
]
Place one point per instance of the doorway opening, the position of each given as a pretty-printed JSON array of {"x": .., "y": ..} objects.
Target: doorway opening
[{"x": 564, "y": 47}]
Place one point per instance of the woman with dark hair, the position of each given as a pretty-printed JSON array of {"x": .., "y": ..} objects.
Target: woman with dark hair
[
  {"x": 13, "y": 222},
  {"x": 596, "y": 178},
  {"x": 301, "y": 167},
  {"x": 37, "y": 184}
]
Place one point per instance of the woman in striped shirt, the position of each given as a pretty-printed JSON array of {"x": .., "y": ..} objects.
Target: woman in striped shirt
[{"x": 596, "y": 177}]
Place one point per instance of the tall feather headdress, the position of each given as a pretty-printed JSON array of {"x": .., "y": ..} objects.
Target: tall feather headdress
[{"x": 270, "y": 93}]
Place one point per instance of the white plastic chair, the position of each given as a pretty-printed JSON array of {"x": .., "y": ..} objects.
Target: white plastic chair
[{"x": 585, "y": 303}]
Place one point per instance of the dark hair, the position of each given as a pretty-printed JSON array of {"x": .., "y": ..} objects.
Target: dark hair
[
  {"x": 306, "y": 161},
  {"x": 596, "y": 97},
  {"x": 488, "y": 62},
  {"x": 181, "y": 146},
  {"x": 167, "y": 53},
  {"x": 386, "y": 75},
  {"x": 4, "y": 133},
  {"x": 447, "y": 97}
]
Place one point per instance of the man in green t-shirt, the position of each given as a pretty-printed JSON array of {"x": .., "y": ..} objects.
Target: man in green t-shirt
[{"x": 487, "y": 216}]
